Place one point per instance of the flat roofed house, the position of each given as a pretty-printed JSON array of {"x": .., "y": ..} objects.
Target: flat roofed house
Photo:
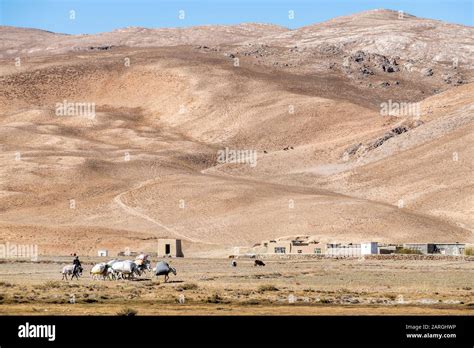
[
  {"x": 294, "y": 247},
  {"x": 307, "y": 248},
  {"x": 169, "y": 248},
  {"x": 449, "y": 248},
  {"x": 387, "y": 249},
  {"x": 423, "y": 248},
  {"x": 318, "y": 248},
  {"x": 343, "y": 250},
  {"x": 298, "y": 247},
  {"x": 369, "y": 248},
  {"x": 279, "y": 247}
]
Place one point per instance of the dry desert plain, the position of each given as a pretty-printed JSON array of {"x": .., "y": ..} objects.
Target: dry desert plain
[
  {"x": 329, "y": 163},
  {"x": 211, "y": 286}
]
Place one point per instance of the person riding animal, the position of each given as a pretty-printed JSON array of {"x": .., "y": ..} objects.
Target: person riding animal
[{"x": 77, "y": 265}]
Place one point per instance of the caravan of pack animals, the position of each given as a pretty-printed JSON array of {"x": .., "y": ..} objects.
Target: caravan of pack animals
[{"x": 116, "y": 269}]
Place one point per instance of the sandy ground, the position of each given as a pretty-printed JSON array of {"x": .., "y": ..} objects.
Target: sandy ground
[{"x": 212, "y": 286}]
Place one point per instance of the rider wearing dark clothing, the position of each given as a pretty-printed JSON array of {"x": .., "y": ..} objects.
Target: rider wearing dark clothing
[{"x": 76, "y": 264}]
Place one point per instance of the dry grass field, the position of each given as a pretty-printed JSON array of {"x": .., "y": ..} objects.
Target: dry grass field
[{"x": 212, "y": 286}]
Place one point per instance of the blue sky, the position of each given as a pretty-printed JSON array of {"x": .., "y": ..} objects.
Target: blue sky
[{"x": 92, "y": 16}]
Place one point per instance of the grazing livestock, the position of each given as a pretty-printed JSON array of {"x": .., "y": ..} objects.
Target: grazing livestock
[
  {"x": 162, "y": 268},
  {"x": 259, "y": 263},
  {"x": 71, "y": 270}
]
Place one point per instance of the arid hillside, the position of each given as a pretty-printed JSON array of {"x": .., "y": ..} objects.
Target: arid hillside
[{"x": 306, "y": 106}]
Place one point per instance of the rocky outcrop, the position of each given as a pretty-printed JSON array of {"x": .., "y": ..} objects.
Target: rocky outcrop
[
  {"x": 427, "y": 72},
  {"x": 454, "y": 79},
  {"x": 369, "y": 63},
  {"x": 361, "y": 148}
]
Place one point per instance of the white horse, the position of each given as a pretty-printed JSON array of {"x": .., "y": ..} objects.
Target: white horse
[{"x": 69, "y": 270}]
